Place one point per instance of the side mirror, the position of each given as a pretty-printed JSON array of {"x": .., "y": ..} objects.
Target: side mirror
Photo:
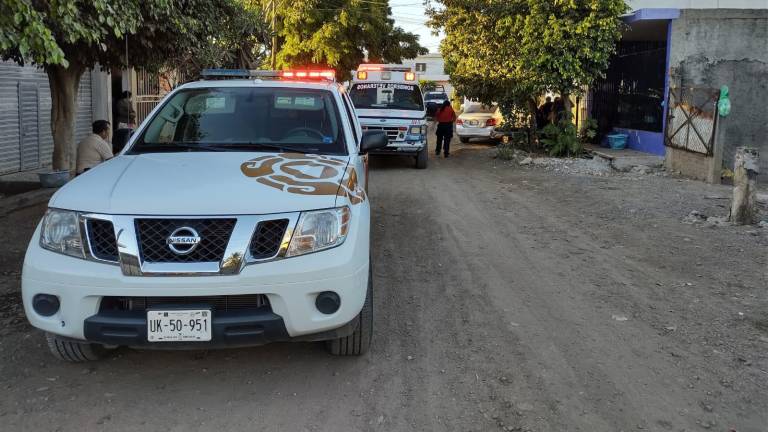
[{"x": 372, "y": 140}]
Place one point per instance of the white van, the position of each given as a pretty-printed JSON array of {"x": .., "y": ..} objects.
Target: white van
[{"x": 387, "y": 97}]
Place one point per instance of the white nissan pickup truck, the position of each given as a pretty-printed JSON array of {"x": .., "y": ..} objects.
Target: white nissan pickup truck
[{"x": 236, "y": 215}]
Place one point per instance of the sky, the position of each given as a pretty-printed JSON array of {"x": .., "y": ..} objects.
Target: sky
[{"x": 410, "y": 16}]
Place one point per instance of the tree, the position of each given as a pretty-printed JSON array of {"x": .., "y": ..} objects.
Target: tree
[
  {"x": 518, "y": 49},
  {"x": 427, "y": 85},
  {"x": 67, "y": 37},
  {"x": 341, "y": 34}
]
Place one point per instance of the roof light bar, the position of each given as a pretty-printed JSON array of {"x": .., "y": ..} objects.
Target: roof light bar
[
  {"x": 237, "y": 73},
  {"x": 328, "y": 74},
  {"x": 375, "y": 67}
]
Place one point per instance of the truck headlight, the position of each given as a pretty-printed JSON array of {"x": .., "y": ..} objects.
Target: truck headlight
[
  {"x": 319, "y": 230},
  {"x": 61, "y": 233},
  {"x": 415, "y": 130}
]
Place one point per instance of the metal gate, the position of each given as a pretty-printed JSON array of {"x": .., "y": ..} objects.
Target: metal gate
[
  {"x": 691, "y": 119},
  {"x": 29, "y": 136},
  {"x": 151, "y": 88}
]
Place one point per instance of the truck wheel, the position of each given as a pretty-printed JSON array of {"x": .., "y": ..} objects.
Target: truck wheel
[
  {"x": 358, "y": 342},
  {"x": 72, "y": 350},
  {"x": 464, "y": 140},
  {"x": 422, "y": 158}
]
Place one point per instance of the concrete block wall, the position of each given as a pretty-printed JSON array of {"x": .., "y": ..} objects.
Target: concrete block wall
[{"x": 715, "y": 47}]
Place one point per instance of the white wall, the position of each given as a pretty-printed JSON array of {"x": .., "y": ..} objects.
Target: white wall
[{"x": 698, "y": 4}]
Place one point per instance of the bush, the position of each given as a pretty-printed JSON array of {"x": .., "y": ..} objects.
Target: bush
[
  {"x": 505, "y": 151},
  {"x": 588, "y": 131},
  {"x": 561, "y": 139}
]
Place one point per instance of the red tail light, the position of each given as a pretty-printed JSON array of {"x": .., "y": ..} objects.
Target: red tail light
[
  {"x": 490, "y": 122},
  {"x": 459, "y": 121}
]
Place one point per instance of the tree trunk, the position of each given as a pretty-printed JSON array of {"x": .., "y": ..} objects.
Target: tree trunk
[
  {"x": 744, "y": 203},
  {"x": 567, "y": 106},
  {"x": 533, "y": 108},
  {"x": 64, "y": 83}
]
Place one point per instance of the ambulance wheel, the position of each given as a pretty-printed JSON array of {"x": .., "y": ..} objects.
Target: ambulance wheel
[{"x": 421, "y": 158}]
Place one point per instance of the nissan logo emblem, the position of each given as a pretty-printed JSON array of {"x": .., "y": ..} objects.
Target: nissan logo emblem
[{"x": 183, "y": 241}]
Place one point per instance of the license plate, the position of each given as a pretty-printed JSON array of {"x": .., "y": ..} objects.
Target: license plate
[
  {"x": 179, "y": 325},
  {"x": 473, "y": 122}
]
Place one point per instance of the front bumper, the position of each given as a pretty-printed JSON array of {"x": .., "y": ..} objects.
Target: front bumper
[
  {"x": 291, "y": 285},
  {"x": 400, "y": 147}
]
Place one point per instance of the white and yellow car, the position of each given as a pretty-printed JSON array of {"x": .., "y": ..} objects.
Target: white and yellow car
[{"x": 236, "y": 215}]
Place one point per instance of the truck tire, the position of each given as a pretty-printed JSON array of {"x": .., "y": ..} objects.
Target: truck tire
[
  {"x": 422, "y": 158},
  {"x": 358, "y": 342},
  {"x": 72, "y": 350},
  {"x": 464, "y": 140}
]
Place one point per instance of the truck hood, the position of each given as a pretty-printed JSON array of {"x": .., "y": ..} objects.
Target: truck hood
[
  {"x": 206, "y": 183},
  {"x": 368, "y": 115}
]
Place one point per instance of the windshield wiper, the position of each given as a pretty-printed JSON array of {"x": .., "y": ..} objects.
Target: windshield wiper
[
  {"x": 269, "y": 146},
  {"x": 174, "y": 146}
]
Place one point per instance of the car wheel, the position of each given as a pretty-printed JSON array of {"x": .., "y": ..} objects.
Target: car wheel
[
  {"x": 464, "y": 140},
  {"x": 422, "y": 158},
  {"x": 358, "y": 342},
  {"x": 73, "y": 350}
]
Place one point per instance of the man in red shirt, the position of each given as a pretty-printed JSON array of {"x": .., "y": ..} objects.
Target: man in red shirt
[{"x": 445, "y": 117}]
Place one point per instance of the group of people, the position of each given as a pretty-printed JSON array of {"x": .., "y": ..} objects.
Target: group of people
[
  {"x": 550, "y": 111},
  {"x": 96, "y": 148}
]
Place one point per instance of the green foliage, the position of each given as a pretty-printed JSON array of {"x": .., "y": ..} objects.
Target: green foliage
[
  {"x": 560, "y": 139},
  {"x": 511, "y": 51},
  {"x": 339, "y": 34},
  {"x": 505, "y": 151},
  {"x": 90, "y": 32},
  {"x": 427, "y": 85},
  {"x": 588, "y": 130}
]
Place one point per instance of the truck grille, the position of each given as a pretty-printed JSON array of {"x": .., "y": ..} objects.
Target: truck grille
[
  {"x": 267, "y": 239},
  {"x": 218, "y": 303},
  {"x": 392, "y": 131},
  {"x": 152, "y": 236},
  {"x": 101, "y": 238}
]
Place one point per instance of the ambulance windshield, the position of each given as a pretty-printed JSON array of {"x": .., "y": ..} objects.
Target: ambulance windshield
[{"x": 387, "y": 96}]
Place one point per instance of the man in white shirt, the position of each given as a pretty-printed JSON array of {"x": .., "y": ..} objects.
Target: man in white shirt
[{"x": 94, "y": 149}]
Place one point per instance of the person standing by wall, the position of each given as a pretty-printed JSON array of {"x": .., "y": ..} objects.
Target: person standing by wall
[
  {"x": 94, "y": 149},
  {"x": 445, "y": 116},
  {"x": 125, "y": 115}
]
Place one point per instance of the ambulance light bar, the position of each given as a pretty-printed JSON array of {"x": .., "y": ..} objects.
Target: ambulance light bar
[{"x": 374, "y": 67}]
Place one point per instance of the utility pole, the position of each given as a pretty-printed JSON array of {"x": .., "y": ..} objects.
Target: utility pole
[{"x": 273, "y": 54}]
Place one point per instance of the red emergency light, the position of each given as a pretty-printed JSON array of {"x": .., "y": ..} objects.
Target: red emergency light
[{"x": 309, "y": 74}]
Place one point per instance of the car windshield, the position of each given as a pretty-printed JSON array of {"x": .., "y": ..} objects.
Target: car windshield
[
  {"x": 477, "y": 108},
  {"x": 386, "y": 96},
  {"x": 245, "y": 119},
  {"x": 436, "y": 96}
]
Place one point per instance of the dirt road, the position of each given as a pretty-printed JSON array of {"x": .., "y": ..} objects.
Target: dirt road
[{"x": 507, "y": 298}]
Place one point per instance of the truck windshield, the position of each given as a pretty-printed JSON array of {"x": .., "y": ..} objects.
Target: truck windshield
[
  {"x": 386, "y": 96},
  {"x": 436, "y": 96},
  {"x": 245, "y": 119}
]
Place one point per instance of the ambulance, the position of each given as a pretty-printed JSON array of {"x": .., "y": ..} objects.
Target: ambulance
[{"x": 387, "y": 97}]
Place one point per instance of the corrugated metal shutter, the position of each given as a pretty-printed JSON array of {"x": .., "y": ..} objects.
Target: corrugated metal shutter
[
  {"x": 30, "y": 136},
  {"x": 11, "y": 77},
  {"x": 84, "y": 117}
]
